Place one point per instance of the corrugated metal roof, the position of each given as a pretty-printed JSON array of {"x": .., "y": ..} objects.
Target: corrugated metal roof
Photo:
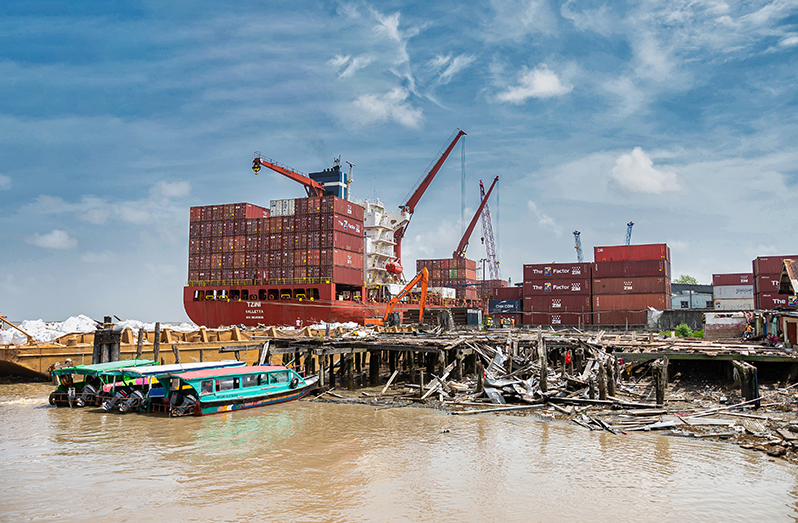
[{"x": 789, "y": 277}]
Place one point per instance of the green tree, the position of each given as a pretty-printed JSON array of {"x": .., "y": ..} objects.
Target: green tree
[
  {"x": 683, "y": 331},
  {"x": 686, "y": 279}
]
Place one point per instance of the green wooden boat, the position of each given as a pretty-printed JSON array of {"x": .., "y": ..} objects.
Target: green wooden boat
[
  {"x": 85, "y": 392},
  {"x": 204, "y": 392}
]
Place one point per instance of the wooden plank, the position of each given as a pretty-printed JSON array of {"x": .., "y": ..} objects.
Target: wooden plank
[
  {"x": 390, "y": 380},
  {"x": 497, "y": 409}
]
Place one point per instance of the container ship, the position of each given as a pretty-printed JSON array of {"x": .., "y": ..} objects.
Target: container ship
[{"x": 301, "y": 261}]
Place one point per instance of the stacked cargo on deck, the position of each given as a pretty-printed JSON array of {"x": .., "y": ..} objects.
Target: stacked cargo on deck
[
  {"x": 457, "y": 273},
  {"x": 295, "y": 241},
  {"x": 733, "y": 292},
  {"x": 557, "y": 294},
  {"x": 628, "y": 280},
  {"x": 767, "y": 273},
  {"x": 507, "y": 303}
]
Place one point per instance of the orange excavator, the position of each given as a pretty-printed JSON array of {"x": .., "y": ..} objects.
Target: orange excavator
[{"x": 391, "y": 317}]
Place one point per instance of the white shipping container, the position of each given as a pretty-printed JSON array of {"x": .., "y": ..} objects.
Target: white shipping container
[
  {"x": 733, "y": 292},
  {"x": 742, "y": 304},
  {"x": 274, "y": 208},
  {"x": 443, "y": 292}
]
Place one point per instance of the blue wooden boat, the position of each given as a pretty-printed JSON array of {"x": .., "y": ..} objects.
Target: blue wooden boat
[
  {"x": 92, "y": 378},
  {"x": 204, "y": 392},
  {"x": 136, "y": 387}
]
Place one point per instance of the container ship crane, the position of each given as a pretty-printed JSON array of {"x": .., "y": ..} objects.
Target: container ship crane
[
  {"x": 408, "y": 208},
  {"x": 463, "y": 245},
  {"x": 312, "y": 187},
  {"x": 628, "y": 240}
]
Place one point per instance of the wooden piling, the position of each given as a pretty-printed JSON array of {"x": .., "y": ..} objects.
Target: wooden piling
[
  {"x": 659, "y": 370},
  {"x": 374, "y": 368},
  {"x": 350, "y": 367},
  {"x": 602, "y": 382},
  {"x": 140, "y": 343},
  {"x": 480, "y": 371},
  {"x": 156, "y": 342},
  {"x": 544, "y": 362},
  {"x": 177, "y": 353},
  {"x": 322, "y": 370},
  {"x": 749, "y": 383},
  {"x": 611, "y": 376}
]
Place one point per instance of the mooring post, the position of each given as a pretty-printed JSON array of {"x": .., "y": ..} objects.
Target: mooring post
[
  {"x": 374, "y": 368},
  {"x": 420, "y": 383},
  {"x": 544, "y": 362},
  {"x": 749, "y": 385},
  {"x": 156, "y": 342},
  {"x": 332, "y": 370},
  {"x": 480, "y": 371},
  {"x": 140, "y": 344},
  {"x": 660, "y": 371},
  {"x": 410, "y": 357},
  {"x": 177, "y": 353},
  {"x": 322, "y": 370},
  {"x": 602, "y": 382},
  {"x": 392, "y": 357},
  {"x": 611, "y": 376},
  {"x": 591, "y": 387},
  {"x": 350, "y": 367}
]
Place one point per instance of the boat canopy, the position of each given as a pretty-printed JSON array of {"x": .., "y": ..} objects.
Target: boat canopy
[
  {"x": 161, "y": 370},
  {"x": 227, "y": 372},
  {"x": 97, "y": 369}
]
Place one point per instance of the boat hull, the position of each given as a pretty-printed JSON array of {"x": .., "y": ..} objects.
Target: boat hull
[{"x": 209, "y": 408}]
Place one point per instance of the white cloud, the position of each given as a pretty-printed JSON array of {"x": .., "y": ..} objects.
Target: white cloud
[
  {"x": 5, "y": 182},
  {"x": 636, "y": 172},
  {"x": 57, "y": 239},
  {"x": 133, "y": 215},
  {"x": 516, "y": 19},
  {"x": 349, "y": 65},
  {"x": 173, "y": 189},
  {"x": 544, "y": 220},
  {"x": 95, "y": 216},
  {"x": 455, "y": 66},
  {"x": 338, "y": 61},
  {"x": 540, "y": 82},
  {"x": 391, "y": 106},
  {"x": 791, "y": 41},
  {"x": 98, "y": 257}
]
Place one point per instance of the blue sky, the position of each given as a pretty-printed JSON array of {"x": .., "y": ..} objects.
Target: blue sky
[{"x": 116, "y": 117}]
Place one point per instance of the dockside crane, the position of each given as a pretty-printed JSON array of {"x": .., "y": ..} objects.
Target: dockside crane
[
  {"x": 578, "y": 246},
  {"x": 463, "y": 245},
  {"x": 487, "y": 234},
  {"x": 409, "y": 207},
  {"x": 312, "y": 187},
  {"x": 629, "y": 233}
]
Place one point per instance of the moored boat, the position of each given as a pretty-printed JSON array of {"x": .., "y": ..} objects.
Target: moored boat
[
  {"x": 136, "y": 387},
  {"x": 203, "y": 392},
  {"x": 94, "y": 377}
]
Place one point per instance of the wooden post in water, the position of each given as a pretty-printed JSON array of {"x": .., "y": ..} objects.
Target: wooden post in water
[
  {"x": 177, "y": 353},
  {"x": 350, "y": 367},
  {"x": 749, "y": 384},
  {"x": 480, "y": 371},
  {"x": 458, "y": 368},
  {"x": 602, "y": 382},
  {"x": 140, "y": 343},
  {"x": 374, "y": 368},
  {"x": 392, "y": 357},
  {"x": 591, "y": 388},
  {"x": 659, "y": 369},
  {"x": 544, "y": 364},
  {"x": 322, "y": 370},
  {"x": 332, "y": 370},
  {"x": 410, "y": 357},
  {"x": 611, "y": 376},
  {"x": 156, "y": 342}
]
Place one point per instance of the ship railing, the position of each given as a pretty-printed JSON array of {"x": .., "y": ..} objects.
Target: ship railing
[{"x": 265, "y": 281}]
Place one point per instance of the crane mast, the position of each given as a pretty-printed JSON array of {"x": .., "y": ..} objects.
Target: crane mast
[
  {"x": 312, "y": 187},
  {"x": 578, "y": 246},
  {"x": 487, "y": 232},
  {"x": 629, "y": 233}
]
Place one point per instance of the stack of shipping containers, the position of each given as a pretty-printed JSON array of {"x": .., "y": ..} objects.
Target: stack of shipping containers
[
  {"x": 767, "y": 273},
  {"x": 295, "y": 241},
  {"x": 557, "y": 294},
  {"x": 457, "y": 273},
  {"x": 627, "y": 280},
  {"x": 733, "y": 292},
  {"x": 506, "y": 303}
]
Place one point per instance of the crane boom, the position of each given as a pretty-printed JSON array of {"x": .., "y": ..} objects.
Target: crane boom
[
  {"x": 461, "y": 248},
  {"x": 487, "y": 232},
  {"x": 422, "y": 277},
  {"x": 410, "y": 205},
  {"x": 578, "y": 246},
  {"x": 312, "y": 187},
  {"x": 629, "y": 233}
]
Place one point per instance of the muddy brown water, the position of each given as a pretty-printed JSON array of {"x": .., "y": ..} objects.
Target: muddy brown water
[{"x": 310, "y": 461}]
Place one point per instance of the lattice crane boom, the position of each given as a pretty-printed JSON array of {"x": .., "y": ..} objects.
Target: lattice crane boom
[
  {"x": 629, "y": 233},
  {"x": 578, "y": 246},
  {"x": 487, "y": 233}
]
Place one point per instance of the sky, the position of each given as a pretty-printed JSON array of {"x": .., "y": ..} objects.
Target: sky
[{"x": 117, "y": 117}]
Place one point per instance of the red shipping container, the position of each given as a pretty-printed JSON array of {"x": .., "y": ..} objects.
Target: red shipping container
[
  {"x": 327, "y": 204},
  {"x": 347, "y": 224},
  {"x": 625, "y": 269},
  {"x": 301, "y": 272},
  {"x": 276, "y": 224},
  {"x": 620, "y": 318},
  {"x": 630, "y": 302},
  {"x": 740, "y": 278},
  {"x": 227, "y": 260},
  {"x": 253, "y": 243},
  {"x": 193, "y": 261},
  {"x": 561, "y": 287},
  {"x": 253, "y": 260},
  {"x": 275, "y": 242},
  {"x": 255, "y": 211},
  {"x": 193, "y": 275},
  {"x": 300, "y": 206},
  {"x": 204, "y": 262},
  {"x": 632, "y": 285},
  {"x": 347, "y": 275},
  {"x": 275, "y": 259},
  {"x": 287, "y": 242},
  {"x": 288, "y": 259},
  {"x": 654, "y": 251},
  {"x": 349, "y": 209},
  {"x": 195, "y": 214},
  {"x": 216, "y": 261},
  {"x": 771, "y": 264},
  {"x": 769, "y": 301},
  {"x": 556, "y": 318},
  {"x": 239, "y": 260},
  {"x": 217, "y": 212},
  {"x": 347, "y": 259},
  {"x": 550, "y": 271},
  {"x": 573, "y": 303},
  {"x": 767, "y": 283},
  {"x": 195, "y": 230},
  {"x": 314, "y": 257},
  {"x": 347, "y": 242},
  {"x": 194, "y": 246}
]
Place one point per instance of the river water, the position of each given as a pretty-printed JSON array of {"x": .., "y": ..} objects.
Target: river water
[{"x": 311, "y": 461}]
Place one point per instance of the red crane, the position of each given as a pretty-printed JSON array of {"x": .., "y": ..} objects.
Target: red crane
[
  {"x": 461, "y": 249},
  {"x": 409, "y": 206},
  {"x": 312, "y": 187}
]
